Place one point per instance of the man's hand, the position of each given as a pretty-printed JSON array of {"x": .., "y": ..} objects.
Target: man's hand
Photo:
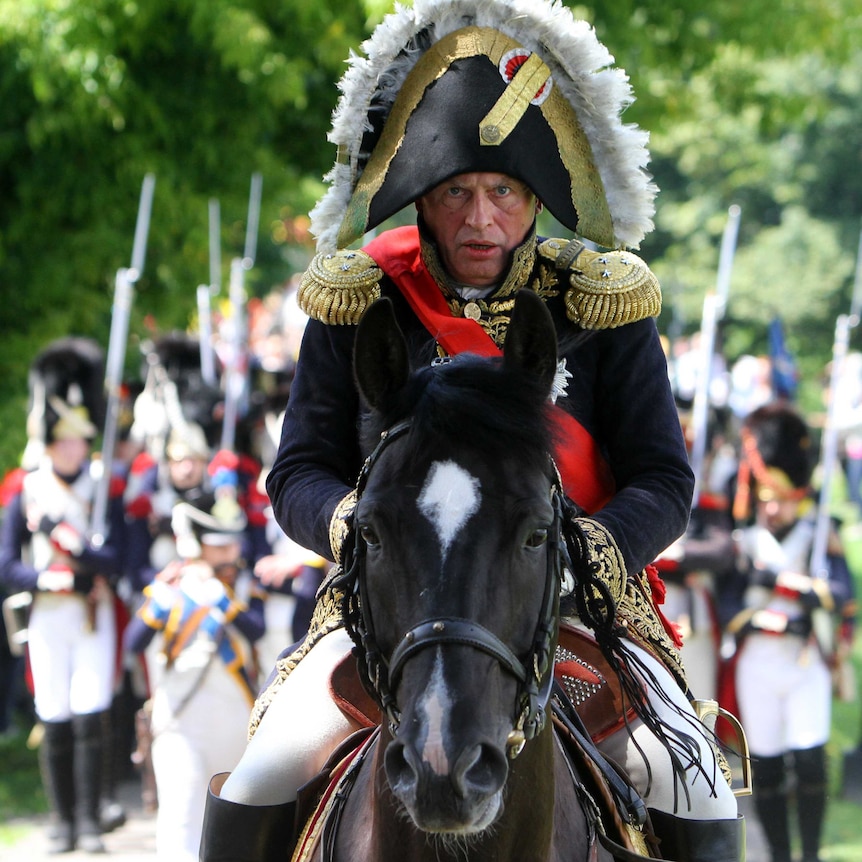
[
  {"x": 57, "y": 578},
  {"x": 68, "y": 539},
  {"x": 274, "y": 569}
]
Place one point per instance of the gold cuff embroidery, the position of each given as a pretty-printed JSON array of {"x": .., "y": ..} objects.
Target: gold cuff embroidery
[
  {"x": 338, "y": 524},
  {"x": 603, "y": 551},
  {"x": 638, "y": 613},
  {"x": 635, "y": 610},
  {"x": 325, "y": 619}
]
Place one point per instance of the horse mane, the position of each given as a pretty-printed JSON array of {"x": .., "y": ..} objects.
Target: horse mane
[{"x": 489, "y": 407}]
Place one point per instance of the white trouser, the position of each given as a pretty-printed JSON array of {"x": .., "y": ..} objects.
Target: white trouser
[
  {"x": 302, "y": 726},
  {"x": 784, "y": 690},
  {"x": 207, "y": 737},
  {"x": 73, "y": 662},
  {"x": 702, "y": 804}
]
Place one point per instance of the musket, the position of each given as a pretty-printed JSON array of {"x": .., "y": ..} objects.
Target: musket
[
  {"x": 121, "y": 310},
  {"x": 234, "y": 370},
  {"x": 829, "y": 440},
  {"x": 714, "y": 306},
  {"x": 205, "y": 294}
]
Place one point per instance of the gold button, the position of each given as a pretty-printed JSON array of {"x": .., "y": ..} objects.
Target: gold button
[
  {"x": 472, "y": 311},
  {"x": 490, "y": 134}
]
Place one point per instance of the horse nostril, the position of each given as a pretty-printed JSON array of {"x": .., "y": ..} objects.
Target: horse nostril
[
  {"x": 402, "y": 765},
  {"x": 480, "y": 770}
]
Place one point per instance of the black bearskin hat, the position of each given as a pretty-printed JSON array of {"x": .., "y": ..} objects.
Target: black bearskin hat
[
  {"x": 776, "y": 459},
  {"x": 178, "y": 354},
  {"x": 67, "y": 391}
]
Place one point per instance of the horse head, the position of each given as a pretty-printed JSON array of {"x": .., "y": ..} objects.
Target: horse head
[{"x": 453, "y": 574}]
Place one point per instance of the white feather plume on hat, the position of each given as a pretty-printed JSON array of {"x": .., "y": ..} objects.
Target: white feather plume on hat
[{"x": 580, "y": 65}]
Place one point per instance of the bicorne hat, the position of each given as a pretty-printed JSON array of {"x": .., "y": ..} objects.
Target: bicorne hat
[{"x": 517, "y": 87}]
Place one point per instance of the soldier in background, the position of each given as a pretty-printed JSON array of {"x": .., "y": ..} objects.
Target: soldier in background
[
  {"x": 200, "y": 619},
  {"x": 786, "y": 626},
  {"x": 44, "y": 549},
  {"x": 697, "y": 566},
  {"x": 153, "y": 489}
]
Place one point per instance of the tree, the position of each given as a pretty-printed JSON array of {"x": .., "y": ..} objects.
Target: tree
[
  {"x": 747, "y": 101},
  {"x": 96, "y": 94}
]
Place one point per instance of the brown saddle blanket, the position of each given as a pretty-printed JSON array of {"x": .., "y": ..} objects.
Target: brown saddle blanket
[{"x": 580, "y": 668}]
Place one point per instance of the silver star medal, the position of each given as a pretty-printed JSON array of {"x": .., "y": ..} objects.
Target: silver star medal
[{"x": 561, "y": 381}]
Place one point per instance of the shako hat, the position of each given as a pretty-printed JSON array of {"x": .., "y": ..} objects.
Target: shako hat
[
  {"x": 210, "y": 520},
  {"x": 178, "y": 356},
  {"x": 505, "y": 86},
  {"x": 67, "y": 396},
  {"x": 776, "y": 457},
  {"x": 187, "y": 440}
]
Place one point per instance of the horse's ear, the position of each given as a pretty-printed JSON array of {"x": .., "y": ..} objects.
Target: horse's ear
[
  {"x": 380, "y": 360},
  {"x": 531, "y": 340}
]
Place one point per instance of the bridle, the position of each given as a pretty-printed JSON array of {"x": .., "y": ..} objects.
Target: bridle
[{"x": 380, "y": 674}]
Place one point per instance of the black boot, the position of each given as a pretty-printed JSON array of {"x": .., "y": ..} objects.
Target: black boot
[
  {"x": 112, "y": 815},
  {"x": 811, "y": 785},
  {"x": 699, "y": 840},
  {"x": 246, "y": 833},
  {"x": 770, "y": 800},
  {"x": 56, "y": 760},
  {"x": 90, "y": 737}
]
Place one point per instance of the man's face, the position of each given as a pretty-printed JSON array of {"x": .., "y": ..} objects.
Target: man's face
[
  {"x": 68, "y": 456},
  {"x": 477, "y": 219},
  {"x": 187, "y": 472},
  {"x": 222, "y": 558},
  {"x": 777, "y": 515}
]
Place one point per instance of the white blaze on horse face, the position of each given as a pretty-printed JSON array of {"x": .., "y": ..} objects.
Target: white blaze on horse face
[
  {"x": 448, "y": 499},
  {"x": 436, "y": 703}
]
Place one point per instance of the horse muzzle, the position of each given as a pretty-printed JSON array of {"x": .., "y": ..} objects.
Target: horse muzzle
[{"x": 462, "y": 795}]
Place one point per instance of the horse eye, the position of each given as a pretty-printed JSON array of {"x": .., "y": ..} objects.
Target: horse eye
[
  {"x": 537, "y": 538},
  {"x": 369, "y": 536}
]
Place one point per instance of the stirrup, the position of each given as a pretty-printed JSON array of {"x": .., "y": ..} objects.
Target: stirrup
[{"x": 705, "y": 708}]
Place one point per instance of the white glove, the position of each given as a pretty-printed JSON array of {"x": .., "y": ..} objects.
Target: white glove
[
  {"x": 206, "y": 592},
  {"x": 57, "y": 579}
]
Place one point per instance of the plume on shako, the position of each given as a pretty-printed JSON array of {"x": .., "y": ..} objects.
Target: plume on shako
[
  {"x": 517, "y": 87},
  {"x": 67, "y": 396},
  {"x": 175, "y": 391}
]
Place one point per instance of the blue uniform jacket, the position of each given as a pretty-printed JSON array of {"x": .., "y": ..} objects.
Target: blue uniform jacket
[{"x": 619, "y": 391}]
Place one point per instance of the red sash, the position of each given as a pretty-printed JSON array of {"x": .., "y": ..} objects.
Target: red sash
[{"x": 586, "y": 475}]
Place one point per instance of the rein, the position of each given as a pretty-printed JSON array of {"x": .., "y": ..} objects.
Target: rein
[{"x": 380, "y": 674}]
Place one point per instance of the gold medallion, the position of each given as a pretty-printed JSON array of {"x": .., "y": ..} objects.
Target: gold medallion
[{"x": 472, "y": 311}]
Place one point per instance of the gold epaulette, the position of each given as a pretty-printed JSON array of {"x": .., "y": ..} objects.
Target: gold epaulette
[
  {"x": 608, "y": 289},
  {"x": 337, "y": 287}
]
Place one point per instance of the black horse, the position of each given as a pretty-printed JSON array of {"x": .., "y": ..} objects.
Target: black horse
[{"x": 453, "y": 585}]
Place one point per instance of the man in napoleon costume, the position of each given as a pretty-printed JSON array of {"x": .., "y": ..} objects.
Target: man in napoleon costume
[{"x": 481, "y": 113}]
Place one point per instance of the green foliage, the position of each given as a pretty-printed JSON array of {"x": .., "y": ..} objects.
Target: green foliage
[
  {"x": 21, "y": 793},
  {"x": 774, "y": 135},
  {"x": 97, "y": 94},
  {"x": 748, "y": 102}
]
